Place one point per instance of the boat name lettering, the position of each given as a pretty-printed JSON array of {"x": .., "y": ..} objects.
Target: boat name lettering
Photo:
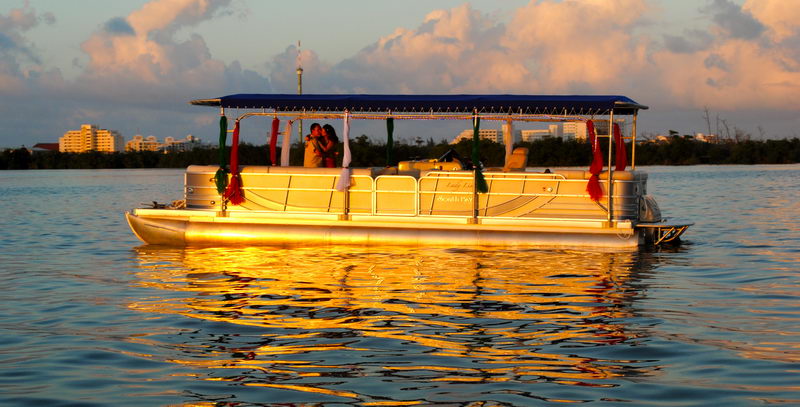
[
  {"x": 453, "y": 199},
  {"x": 458, "y": 184}
]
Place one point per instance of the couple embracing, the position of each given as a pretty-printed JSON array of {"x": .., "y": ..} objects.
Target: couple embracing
[{"x": 321, "y": 147}]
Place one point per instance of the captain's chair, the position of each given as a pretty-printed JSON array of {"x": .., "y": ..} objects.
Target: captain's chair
[{"x": 518, "y": 160}]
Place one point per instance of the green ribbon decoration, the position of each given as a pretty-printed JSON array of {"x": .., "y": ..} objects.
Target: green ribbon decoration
[
  {"x": 221, "y": 177},
  {"x": 389, "y": 141},
  {"x": 480, "y": 181}
]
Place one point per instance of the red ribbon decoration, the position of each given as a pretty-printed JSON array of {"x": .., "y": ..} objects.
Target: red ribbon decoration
[
  {"x": 593, "y": 186},
  {"x": 622, "y": 155},
  {"x": 273, "y": 142},
  {"x": 234, "y": 192}
]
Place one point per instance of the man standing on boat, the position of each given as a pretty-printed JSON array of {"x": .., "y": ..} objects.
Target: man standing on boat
[{"x": 313, "y": 154}]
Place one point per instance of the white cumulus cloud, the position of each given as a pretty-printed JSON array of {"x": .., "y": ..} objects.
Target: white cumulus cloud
[
  {"x": 138, "y": 56},
  {"x": 747, "y": 57}
]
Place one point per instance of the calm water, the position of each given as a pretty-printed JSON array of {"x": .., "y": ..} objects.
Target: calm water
[{"x": 91, "y": 317}]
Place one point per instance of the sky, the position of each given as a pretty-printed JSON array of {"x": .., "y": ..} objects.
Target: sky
[{"x": 132, "y": 66}]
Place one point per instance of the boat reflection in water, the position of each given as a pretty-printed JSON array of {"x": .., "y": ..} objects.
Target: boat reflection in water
[{"x": 399, "y": 325}]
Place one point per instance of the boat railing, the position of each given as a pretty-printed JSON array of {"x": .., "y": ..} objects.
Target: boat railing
[
  {"x": 517, "y": 195},
  {"x": 431, "y": 194}
]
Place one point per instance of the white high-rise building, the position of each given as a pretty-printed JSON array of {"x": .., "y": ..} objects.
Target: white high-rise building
[
  {"x": 90, "y": 138},
  {"x": 172, "y": 145},
  {"x": 574, "y": 130},
  {"x": 531, "y": 135},
  {"x": 141, "y": 143},
  {"x": 555, "y": 130},
  {"x": 483, "y": 134}
]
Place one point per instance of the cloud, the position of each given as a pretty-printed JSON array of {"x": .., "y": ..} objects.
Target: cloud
[
  {"x": 146, "y": 72},
  {"x": 748, "y": 57},
  {"x": 580, "y": 46},
  {"x": 151, "y": 60},
  {"x": 782, "y": 28},
  {"x": 451, "y": 51},
  {"x": 137, "y": 69},
  {"x": 16, "y": 52},
  {"x": 732, "y": 19},
  {"x": 145, "y": 59},
  {"x": 119, "y": 26},
  {"x": 547, "y": 47},
  {"x": 751, "y": 63},
  {"x": 779, "y": 16},
  {"x": 716, "y": 61},
  {"x": 283, "y": 68},
  {"x": 692, "y": 41}
]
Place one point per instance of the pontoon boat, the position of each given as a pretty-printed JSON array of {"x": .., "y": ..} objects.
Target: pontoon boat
[{"x": 417, "y": 202}]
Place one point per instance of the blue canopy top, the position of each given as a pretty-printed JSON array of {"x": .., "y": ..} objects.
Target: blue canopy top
[{"x": 505, "y": 104}]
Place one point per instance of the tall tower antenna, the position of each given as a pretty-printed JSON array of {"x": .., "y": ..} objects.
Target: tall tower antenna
[
  {"x": 299, "y": 71},
  {"x": 299, "y": 88}
]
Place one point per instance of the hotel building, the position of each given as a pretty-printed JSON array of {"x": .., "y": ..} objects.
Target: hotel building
[
  {"x": 483, "y": 134},
  {"x": 170, "y": 144},
  {"x": 173, "y": 145},
  {"x": 565, "y": 130},
  {"x": 141, "y": 143},
  {"x": 90, "y": 138},
  {"x": 529, "y": 135},
  {"x": 574, "y": 130},
  {"x": 569, "y": 130}
]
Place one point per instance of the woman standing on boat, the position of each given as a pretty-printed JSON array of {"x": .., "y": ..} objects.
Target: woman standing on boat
[{"x": 329, "y": 142}]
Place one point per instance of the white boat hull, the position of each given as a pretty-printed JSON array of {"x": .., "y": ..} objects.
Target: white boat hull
[{"x": 170, "y": 227}]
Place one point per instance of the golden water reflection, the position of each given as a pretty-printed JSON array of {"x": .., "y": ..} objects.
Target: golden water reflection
[{"x": 324, "y": 321}]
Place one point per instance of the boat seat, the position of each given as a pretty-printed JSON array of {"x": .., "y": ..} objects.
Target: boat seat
[
  {"x": 571, "y": 174},
  {"x": 266, "y": 169},
  {"x": 306, "y": 170},
  {"x": 518, "y": 160},
  {"x": 440, "y": 173},
  {"x": 429, "y": 165},
  {"x": 202, "y": 168},
  {"x": 618, "y": 175},
  {"x": 378, "y": 171}
]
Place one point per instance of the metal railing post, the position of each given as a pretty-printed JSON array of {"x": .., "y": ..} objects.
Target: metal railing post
[
  {"x": 610, "y": 170},
  {"x": 633, "y": 141}
]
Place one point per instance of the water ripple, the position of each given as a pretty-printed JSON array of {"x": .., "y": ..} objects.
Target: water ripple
[{"x": 92, "y": 319}]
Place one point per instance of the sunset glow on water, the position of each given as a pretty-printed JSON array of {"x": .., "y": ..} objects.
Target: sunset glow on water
[{"x": 92, "y": 317}]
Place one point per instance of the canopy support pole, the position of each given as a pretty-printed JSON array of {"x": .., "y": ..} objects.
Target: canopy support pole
[
  {"x": 633, "y": 141},
  {"x": 508, "y": 139},
  {"x": 610, "y": 170},
  {"x": 475, "y": 169},
  {"x": 300, "y": 128}
]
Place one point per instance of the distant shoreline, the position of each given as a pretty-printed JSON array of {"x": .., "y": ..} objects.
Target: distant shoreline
[{"x": 551, "y": 152}]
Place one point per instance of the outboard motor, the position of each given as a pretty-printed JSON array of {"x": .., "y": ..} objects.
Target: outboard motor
[{"x": 649, "y": 210}]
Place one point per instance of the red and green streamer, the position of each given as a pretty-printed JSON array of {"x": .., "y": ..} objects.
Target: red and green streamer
[
  {"x": 221, "y": 177},
  {"x": 593, "y": 186},
  {"x": 234, "y": 193}
]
